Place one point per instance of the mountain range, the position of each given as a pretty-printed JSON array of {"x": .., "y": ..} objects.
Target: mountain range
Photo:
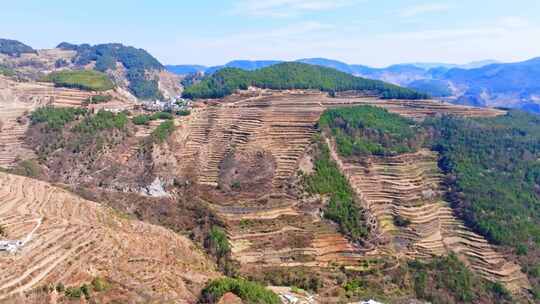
[{"x": 482, "y": 83}]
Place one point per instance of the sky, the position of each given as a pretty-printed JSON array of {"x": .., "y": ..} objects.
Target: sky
[{"x": 211, "y": 32}]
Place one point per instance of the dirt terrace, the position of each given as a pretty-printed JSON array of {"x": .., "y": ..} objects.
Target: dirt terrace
[
  {"x": 244, "y": 154},
  {"x": 409, "y": 186},
  {"x": 18, "y": 99},
  {"x": 79, "y": 240}
]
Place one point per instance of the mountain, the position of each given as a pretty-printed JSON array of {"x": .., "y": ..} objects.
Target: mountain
[
  {"x": 132, "y": 69},
  {"x": 329, "y": 63},
  {"x": 511, "y": 85},
  {"x": 185, "y": 69},
  {"x": 293, "y": 75},
  {"x": 14, "y": 48}
]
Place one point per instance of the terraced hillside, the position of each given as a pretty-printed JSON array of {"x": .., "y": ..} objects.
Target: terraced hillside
[
  {"x": 69, "y": 240},
  {"x": 244, "y": 154},
  {"x": 17, "y": 99},
  {"x": 408, "y": 187}
]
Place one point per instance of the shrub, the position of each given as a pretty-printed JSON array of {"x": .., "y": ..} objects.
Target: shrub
[
  {"x": 401, "y": 221},
  {"x": 249, "y": 292},
  {"x": 85, "y": 80},
  {"x": 217, "y": 240},
  {"x": 28, "y": 168},
  {"x": 162, "y": 115},
  {"x": 183, "y": 113},
  {"x": 100, "y": 284},
  {"x": 6, "y": 71},
  {"x": 55, "y": 118},
  {"x": 73, "y": 292},
  {"x": 142, "y": 119},
  {"x": 162, "y": 132},
  {"x": 98, "y": 99},
  {"x": 103, "y": 120}
]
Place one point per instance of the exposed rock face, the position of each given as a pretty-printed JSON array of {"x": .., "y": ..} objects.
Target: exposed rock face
[
  {"x": 156, "y": 189},
  {"x": 79, "y": 240}
]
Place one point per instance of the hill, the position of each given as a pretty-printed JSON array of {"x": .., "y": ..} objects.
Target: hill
[
  {"x": 137, "y": 63},
  {"x": 83, "y": 249},
  {"x": 512, "y": 85},
  {"x": 185, "y": 69},
  {"x": 293, "y": 76},
  {"x": 131, "y": 69},
  {"x": 14, "y": 47}
]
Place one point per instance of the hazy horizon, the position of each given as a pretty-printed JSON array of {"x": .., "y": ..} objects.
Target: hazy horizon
[{"x": 353, "y": 31}]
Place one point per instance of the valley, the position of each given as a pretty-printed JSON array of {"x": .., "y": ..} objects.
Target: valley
[{"x": 118, "y": 184}]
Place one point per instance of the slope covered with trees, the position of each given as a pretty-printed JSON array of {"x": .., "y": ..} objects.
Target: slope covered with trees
[
  {"x": 14, "y": 47},
  {"x": 292, "y": 75},
  {"x": 136, "y": 61},
  {"x": 493, "y": 172},
  {"x": 367, "y": 130}
]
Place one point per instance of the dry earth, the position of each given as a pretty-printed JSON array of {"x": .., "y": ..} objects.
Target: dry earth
[{"x": 79, "y": 240}]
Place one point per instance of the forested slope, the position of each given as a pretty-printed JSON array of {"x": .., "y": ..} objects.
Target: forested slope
[{"x": 292, "y": 75}]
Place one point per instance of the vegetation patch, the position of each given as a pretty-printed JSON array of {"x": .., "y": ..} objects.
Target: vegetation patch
[
  {"x": 504, "y": 151},
  {"x": 341, "y": 208},
  {"x": 448, "y": 280},
  {"x": 84, "y": 79},
  {"x": 5, "y": 71},
  {"x": 293, "y": 75},
  {"x": 163, "y": 131},
  {"x": 103, "y": 120},
  {"x": 144, "y": 119},
  {"x": 55, "y": 118},
  {"x": 249, "y": 292},
  {"x": 28, "y": 168},
  {"x": 299, "y": 277},
  {"x": 368, "y": 130},
  {"x": 136, "y": 61},
  {"x": 96, "y": 99}
]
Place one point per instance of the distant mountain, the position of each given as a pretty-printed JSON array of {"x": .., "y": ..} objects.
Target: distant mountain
[
  {"x": 513, "y": 85},
  {"x": 14, "y": 48},
  {"x": 185, "y": 69},
  {"x": 480, "y": 83},
  {"x": 329, "y": 63},
  {"x": 448, "y": 66}
]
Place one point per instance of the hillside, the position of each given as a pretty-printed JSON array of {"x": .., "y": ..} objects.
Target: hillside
[
  {"x": 136, "y": 62},
  {"x": 293, "y": 76},
  {"x": 14, "y": 47},
  {"x": 131, "y": 69},
  {"x": 70, "y": 243}
]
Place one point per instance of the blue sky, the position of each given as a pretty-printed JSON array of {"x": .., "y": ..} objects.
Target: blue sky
[{"x": 371, "y": 32}]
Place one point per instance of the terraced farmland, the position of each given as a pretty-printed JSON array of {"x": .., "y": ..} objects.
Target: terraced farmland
[
  {"x": 268, "y": 223},
  {"x": 17, "y": 99},
  {"x": 408, "y": 187},
  {"x": 79, "y": 240}
]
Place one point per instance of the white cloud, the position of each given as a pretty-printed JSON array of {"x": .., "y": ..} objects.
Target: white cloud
[
  {"x": 421, "y": 9},
  {"x": 286, "y": 8},
  {"x": 514, "y": 22}
]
